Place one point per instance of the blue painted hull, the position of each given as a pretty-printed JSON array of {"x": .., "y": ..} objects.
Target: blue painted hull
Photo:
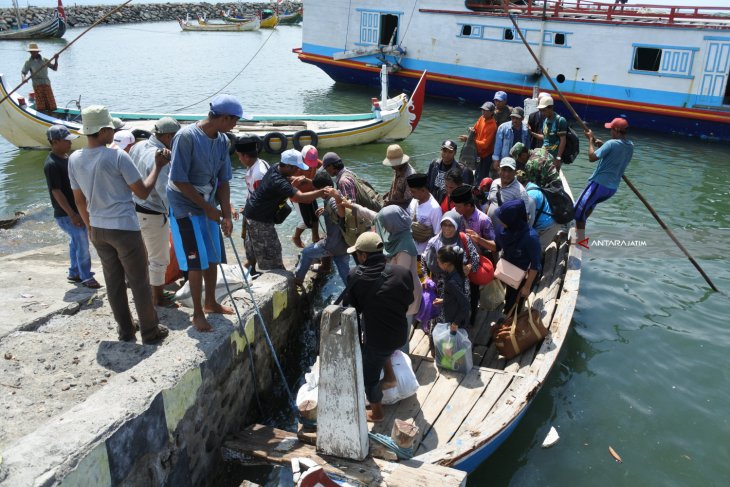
[{"x": 590, "y": 113}]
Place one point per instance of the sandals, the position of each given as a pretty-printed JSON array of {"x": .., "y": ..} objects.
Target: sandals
[
  {"x": 161, "y": 333},
  {"x": 91, "y": 284},
  {"x": 73, "y": 279}
]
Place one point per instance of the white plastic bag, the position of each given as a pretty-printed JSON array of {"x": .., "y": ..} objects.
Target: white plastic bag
[
  {"x": 235, "y": 281},
  {"x": 453, "y": 350},
  {"x": 404, "y": 375},
  {"x": 309, "y": 391}
]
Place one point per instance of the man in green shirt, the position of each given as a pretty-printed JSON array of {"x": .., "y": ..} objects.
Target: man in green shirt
[
  {"x": 36, "y": 68},
  {"x": 554, "y": 131}
]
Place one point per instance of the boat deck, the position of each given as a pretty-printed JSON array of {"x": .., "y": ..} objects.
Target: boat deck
[{"x": 449, "y": 404}]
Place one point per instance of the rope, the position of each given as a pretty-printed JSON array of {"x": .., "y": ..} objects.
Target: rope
[
  {"x": 387, "y": 442},
  {"x": 232, "y": 79},
  {"x": 292, "y": 403},
  {"x": 415, "y": 2}
]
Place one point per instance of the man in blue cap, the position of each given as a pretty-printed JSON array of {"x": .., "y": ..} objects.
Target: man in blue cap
[
  {"x": 199, "y": 174},
  {"x": 502, "y": 111}
]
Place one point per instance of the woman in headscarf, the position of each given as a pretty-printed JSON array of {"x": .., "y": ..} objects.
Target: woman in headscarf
[
  {"x": 520, "y": 246},
  {"x": 393, "y": 225},
  {"x": 451, "y": 234}
]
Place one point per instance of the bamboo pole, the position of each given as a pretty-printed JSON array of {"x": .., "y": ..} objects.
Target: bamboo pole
[
  {"x": 65, "y": 47},
  {"x": 626, "y": 180}
]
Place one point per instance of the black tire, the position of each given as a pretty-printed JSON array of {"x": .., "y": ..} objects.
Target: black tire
[
  {"x": 304, "y": 133},
  {"x": 275, "y": 135},
  {"x": 247, "y": 138}
]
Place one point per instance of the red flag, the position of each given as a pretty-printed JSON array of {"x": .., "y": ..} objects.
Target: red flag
[{"x": 61, "y": 12}]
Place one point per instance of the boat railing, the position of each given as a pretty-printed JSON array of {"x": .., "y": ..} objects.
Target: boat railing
[{"x": 606, "y": 11}]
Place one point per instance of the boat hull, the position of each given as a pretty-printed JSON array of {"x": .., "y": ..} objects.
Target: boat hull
[
  {"x": 49, "y": 29},
  {"x": 235, "y": 27},
  {"x": 705, "y": 124}
]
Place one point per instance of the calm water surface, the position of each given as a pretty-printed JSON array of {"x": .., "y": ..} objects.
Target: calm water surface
[{"x": 645, "y": 368}]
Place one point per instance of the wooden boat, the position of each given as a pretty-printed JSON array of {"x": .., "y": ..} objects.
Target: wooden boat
[
  {"x": 392, "y": 119},
  {"x": 269, "y": 19},
  {"x": 462, "y": 418},
  {"x": 291, "y": 19},
  {"x": 54, "y": 27},
  {"x": 204, "y": 26}
]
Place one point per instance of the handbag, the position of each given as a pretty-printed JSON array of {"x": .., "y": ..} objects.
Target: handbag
[
  {"x": 482, "y": 275},
  {"x": 509, "y": 273},
  {"x": 519, "y": 331},
  {"x": 421, "y": 232},
  {"x": 282, "y": 211}
]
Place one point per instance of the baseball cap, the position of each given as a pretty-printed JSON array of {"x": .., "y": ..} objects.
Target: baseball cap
[
  {"x": 293, "y": 157},
  {"x": 368, "y": 242},
  {"x": 227, "y": 105},
  {"x": 485, "y": 184},
  {"x": 508, "y": 162},
  {"x": 546, "y": 101},
  {"x": 518, "y": 112},
  {"x": 310, "y": 156},
  {"x": 449, "y": 144},
  {"x": 330, "y": 158},
  {"x": 123, "y": 139},
  {"x": 617, "y": 123},
  {"x": 500, "y": 96},
  {"x": 59, "y": 132},
  {"x": 166, "y": 125},
  {"x": 488, "y": 105}
]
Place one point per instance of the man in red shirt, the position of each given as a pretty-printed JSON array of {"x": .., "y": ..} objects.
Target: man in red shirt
[{"x": 485, "y": 132}]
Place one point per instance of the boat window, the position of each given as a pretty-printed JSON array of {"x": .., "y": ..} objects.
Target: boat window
[
  {"x": 509, "y": 34},
  {"x": 378, "y": 28},
  {"x": 388, "y": 29},
  {"x": 559, "y": 38},
  {"x": 647, "y": 59},
  {"x": 466, "y": 30}
]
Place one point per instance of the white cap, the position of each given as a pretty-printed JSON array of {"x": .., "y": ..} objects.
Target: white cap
[
  {"x": 545, "y": 102},
  {"x": 123, "y": 139}
]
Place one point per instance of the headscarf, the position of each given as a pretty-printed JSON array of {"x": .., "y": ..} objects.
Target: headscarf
[
  {"x": 516, "y": 150},
  {"x": 513, "y": 216},
  {"x": 440, "y": 240},
  {"x": 393, "y": 225}
]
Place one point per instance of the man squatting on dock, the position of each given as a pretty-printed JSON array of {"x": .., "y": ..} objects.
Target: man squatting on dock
[{"x": 398, "y": 251}]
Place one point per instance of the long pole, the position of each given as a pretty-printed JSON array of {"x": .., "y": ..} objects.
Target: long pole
[
  {"x": 628, "y": 182},
  {"x": 101, "y": 19}
]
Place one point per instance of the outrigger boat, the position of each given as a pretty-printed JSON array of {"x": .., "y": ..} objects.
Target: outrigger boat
[
  {"x": 268, "y": 18},
  {"x": 462, "y": 418},
  {"x": 54, "y": 27},
  {"x": 204, "y": 26},
  {"x": 389, "y": 119}
]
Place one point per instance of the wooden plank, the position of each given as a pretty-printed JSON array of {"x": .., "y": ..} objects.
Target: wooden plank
[
  {"x": 408, "y": 408},
  {"x": 477, "y": 354},
  {"x": 458, "y": 408},
  {"x": 441, "y": 392},
  {"x": 423, "y": 346},
  {"x": 425, "y": 475}
]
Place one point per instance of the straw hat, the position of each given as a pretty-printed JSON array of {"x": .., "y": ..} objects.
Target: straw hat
[
  {"x": 94, "y": 118},
  {"x": 394, "y": 156},
  {"x": 33, "y": 47}
]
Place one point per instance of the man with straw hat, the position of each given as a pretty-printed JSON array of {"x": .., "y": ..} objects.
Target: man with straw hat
[
  {"x": 103, "y": 180},
  {"x": 399, "y": 193},
  {"x": 34, "y": 67}
]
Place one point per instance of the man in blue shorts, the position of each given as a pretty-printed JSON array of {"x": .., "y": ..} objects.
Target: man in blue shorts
[
  {"x": 613, "y": 157},
  {"x": 199, "y": 175}
]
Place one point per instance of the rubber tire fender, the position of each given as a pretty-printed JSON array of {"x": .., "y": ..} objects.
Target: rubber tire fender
[
  {"x": 304, "y": 133},
  {"x": 275, "y": 135}
]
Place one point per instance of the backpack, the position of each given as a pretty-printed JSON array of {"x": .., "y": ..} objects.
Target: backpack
[
  {"x": 353, "y": 225},
  {"x": 367, "y": 196},
  {"x": 572, "y": 146},
  {"x": 561, "y": 205}
]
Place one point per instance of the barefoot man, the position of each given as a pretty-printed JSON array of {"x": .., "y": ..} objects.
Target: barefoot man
[{"x": 199, "y": 175}]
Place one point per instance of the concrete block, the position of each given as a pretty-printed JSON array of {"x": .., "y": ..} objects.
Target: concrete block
[
  {"x": 180, "y": 398},
  {"x": 91, "y": 470},
  {"x": 341, "y": 425},
  {"x": 279, "y": 302}
]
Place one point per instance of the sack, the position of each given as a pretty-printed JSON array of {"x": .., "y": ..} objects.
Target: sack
[
  {"x": 509, "y": 273},
  {"x": 572, "y": 146},
  {"x": 421, "y": 233},
  {"x": 282, "y": 211},
  {"x": 561, "y": 206},
  {"x": 482, "y": 275},
  {"x": 519, "y": 331},
  {"x": 309, "y": 391},
  {"x": 491, "y": 296},
  {"x": 354, "y": 226},
  {"x": 405, "y": 377},
  {"x": 453, "y": 351},
  {"x": 366, "y": 195}
]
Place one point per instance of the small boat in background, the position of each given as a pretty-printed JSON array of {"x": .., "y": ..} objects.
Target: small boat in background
[
  {"x": 291, "y": 19},
  {"x": 54, "y": 27},
  {"x": 204, "y": 26},
  {"x": 268, "y": 18},
  {"x": 389, "y": 119}
]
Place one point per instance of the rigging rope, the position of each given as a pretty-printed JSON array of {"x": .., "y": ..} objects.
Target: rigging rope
[{"x": 232, "y": 79}]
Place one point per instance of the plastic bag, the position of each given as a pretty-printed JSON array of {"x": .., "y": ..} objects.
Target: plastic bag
[
  {"x": 453, "y": 350},
  {"x": 407, "y": 382},
  {"x": 428, "y": 310},
  {"x": 309, "y": 391},
  {"x": 235, "y": 281},
  {"x": 491, "y": 296}
]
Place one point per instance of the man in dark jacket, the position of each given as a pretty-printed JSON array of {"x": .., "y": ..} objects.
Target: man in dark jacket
[
  {"x": 440, "y": 166},
  {"x": 382, "y": 294}
]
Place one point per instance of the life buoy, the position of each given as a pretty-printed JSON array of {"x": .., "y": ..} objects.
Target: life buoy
[
  {"x": 278, "y": 136},
  {"x": 296, "y": 139}
]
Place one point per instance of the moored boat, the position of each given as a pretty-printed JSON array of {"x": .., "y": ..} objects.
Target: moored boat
[
  {"x": 203, "y": 25},
  {"x": 389, "y": 119},
  {"x": 291, "y": 18},
  {"x": 665, "y": 68},
  {"x": 55, "y": 27},
  {"x": 269, "y": 19}
]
